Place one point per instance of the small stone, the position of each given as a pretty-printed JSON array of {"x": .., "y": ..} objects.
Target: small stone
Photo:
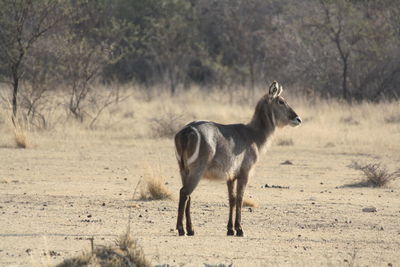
[
  {"x": 103, "y": 204},
  {"x": 369, "y": 209},
  {"x": 287, "y": 162}
]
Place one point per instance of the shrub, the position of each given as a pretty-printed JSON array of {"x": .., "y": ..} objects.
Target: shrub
[
  {"x": 155, "y": 189},
  {"x": 125, "y": 252},
  {"x": 376, "y": 174},
  {"x": 166, "y": 125}
]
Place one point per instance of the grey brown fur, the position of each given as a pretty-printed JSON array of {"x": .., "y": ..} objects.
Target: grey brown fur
[{"x": 217, "y": 151}]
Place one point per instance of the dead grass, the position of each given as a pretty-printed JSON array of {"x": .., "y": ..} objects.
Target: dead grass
[
  {"x": 19, "y": 125},
  {"x": 162, "y": 115},
  {"x": 20, "y": 137},
  {"x": 248, "y": 202},
  {"x": 376, "y": 174},
  {"x": 125, "y": 252},
  {"x": 155, "y": 189}
]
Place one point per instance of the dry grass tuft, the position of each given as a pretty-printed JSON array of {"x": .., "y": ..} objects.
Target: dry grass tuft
[
  {"x": 376, "y": 175},
  {"x": 285, "y": 142},
  {"x": 155, "y": 189},
  {"x": 20, "y": 137},
  {"x": 248, "y": 202},
  {"x": 125, "y": 252}
]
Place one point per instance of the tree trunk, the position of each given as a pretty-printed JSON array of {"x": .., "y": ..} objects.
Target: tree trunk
[
  {"x": 252, "y": 82},
  {"x": 345, "y": 59},
  {"x": 14, "y": 97},
  {"x": 344, "y": 82},
  {"x": 172, "y": 81}
]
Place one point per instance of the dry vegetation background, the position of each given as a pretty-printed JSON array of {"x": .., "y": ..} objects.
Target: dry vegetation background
[{"x": 76, "y": 181}]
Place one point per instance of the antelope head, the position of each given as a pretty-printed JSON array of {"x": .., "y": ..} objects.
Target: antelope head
[{"x": 282, "y": 113}]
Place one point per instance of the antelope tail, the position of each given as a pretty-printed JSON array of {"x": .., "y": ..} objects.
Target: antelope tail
[{"x": 187, "y": 146}]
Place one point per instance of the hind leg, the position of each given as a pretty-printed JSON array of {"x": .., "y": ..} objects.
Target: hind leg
[
  {"x": 181, "y": 209},
  {"x": 189, "y": 184},
  {"x": 189, "y": 227}
]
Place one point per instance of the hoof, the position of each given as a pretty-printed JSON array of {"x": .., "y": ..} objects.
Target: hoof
[
  {"x": 190, "y": 232},
  {"x": 181, "y": 232},
  {"x": 239, "y": 232},
  {"x": 230, "y": 232}
]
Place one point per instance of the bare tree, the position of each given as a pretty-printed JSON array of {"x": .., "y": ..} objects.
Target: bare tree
[
  {"x": 22, "y": 24},
  {"x": 87, "y": 44}
]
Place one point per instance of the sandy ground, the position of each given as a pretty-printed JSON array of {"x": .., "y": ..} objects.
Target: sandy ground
[{"x": 62, "y": 191}]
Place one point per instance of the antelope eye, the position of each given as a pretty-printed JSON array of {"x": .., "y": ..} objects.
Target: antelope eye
[{"x": 281, "y": 102}]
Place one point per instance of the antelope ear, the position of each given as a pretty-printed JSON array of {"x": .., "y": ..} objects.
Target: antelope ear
[
  {"x": 275, "y": 89},
  {"x": 280, "y": 90}
]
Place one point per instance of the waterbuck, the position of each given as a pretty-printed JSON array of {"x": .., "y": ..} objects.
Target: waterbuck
[{"x": 217, "y": 151}]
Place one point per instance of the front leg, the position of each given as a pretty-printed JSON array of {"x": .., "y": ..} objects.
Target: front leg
[
  {"x": 241, "y": 186},
  {"x": 231, "y": 184}
]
